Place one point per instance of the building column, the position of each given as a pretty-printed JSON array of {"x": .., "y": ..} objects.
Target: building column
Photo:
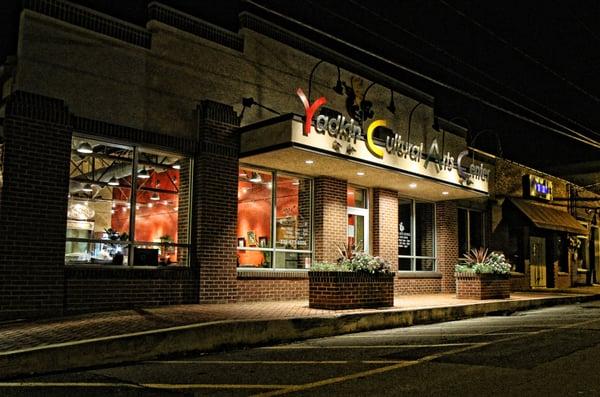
[
  {"x": 215, "y": 202},
  {"x": 33, "y": 210},
  {"x": 385, "y": 225},
  {"x": 447, "y": 243},
  {"x": 331, "y": 217}
]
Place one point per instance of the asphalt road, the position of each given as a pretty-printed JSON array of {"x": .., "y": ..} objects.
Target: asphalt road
[{"x": 547, "y": 352}]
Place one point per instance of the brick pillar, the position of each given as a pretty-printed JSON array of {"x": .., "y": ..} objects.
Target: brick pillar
[
  {"x": 331, "y": 217},
  {"x": 33, "y": 214},
  {"x": 385, "y": 225},
  {"x": 215, "y": 202},
  {"x": 447, "y": 243}
]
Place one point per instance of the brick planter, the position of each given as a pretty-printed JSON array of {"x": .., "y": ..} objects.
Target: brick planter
[
  {"x": 482, "y": 286},
  {"x": 349, "y": 290}
]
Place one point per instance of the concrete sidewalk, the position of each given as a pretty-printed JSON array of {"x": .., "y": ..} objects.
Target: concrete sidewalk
[{"x": 130, "y": 335}]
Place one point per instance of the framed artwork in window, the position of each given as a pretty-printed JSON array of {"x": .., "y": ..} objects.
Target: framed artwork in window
[
  {"x": 251, "y": 238},
  {"x": 263, "y": 241}
]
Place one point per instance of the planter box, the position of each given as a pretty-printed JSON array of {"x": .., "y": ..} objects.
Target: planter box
[
  {"x": 349, "y": 290},
  {"x": 482, "y": 286}
]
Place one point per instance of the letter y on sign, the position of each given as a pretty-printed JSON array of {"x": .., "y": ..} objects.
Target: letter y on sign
[{"x": 309, "y": 109}]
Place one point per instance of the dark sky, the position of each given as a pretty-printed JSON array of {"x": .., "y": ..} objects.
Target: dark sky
[{"x": 541, "y": 55}]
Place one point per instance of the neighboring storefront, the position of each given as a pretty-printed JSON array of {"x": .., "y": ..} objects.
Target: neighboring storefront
[{"x": 134, "y": 174}]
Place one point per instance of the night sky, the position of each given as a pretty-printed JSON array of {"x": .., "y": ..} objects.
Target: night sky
[{"x": 538, "y": 60}]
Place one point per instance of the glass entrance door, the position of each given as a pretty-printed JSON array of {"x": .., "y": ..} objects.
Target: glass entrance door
[{"x": 358, "y": 229}]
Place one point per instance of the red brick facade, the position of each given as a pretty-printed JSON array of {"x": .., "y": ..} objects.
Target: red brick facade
[
  {"x": 385, "y": 225},
  {"x": 447, "y": 243},
  {"x": 215, "y": 202},
  {"x": 482, "y": 286},
  {"x": 263, "y": 289},
  {"x": 417, "y": 285},
  {"x": 331, "y": 217},
  {"x": 33, "y": 213},
  {"x": 345, "y": 290}
]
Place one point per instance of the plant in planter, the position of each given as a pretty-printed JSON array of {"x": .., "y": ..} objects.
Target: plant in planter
[
  {"x": 357, "y": 280},
  {"x": 483, "y": 275}
]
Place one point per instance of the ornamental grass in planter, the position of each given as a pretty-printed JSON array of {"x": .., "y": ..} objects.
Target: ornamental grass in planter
[
  {"x": 480, "y": 275},
  {"x": 358, "y": 280}
]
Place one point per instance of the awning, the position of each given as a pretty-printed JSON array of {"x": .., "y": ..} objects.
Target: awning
[{"x": 549, "y": 218}]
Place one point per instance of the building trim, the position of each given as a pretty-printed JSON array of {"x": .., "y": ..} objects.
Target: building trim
[{"x": 269, "y": 29}]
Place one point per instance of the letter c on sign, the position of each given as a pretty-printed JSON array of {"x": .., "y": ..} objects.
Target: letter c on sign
[
  {"x": 374, "y": 149},
  {"x": 459, "y": 167}
]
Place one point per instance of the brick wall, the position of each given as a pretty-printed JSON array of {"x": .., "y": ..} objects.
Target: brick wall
[
  {"x": 345, "y": 290},
  {"x": 215, "y": 202},
  {"x": 385, "y": 225},
  {"x": 447, "y": 243},
  {"x": 415, "y": 286},
  {"x": 94, "y": 289},
  {"x": 34, "y": 206},
  {"x": 331, "y": 219},
  {"x": 482, "y": 286},
  {"x": 261, "y": 289}
]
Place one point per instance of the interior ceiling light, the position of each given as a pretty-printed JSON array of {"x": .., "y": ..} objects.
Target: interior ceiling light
[
  {"x": 360, "y": 173},
  {"x": 176, "y": 166},
  {"x": 256, "y": 178},
  {"x": 85, "y": 148},
  {"x": 445, "y": 193},
  {"x": 155, "y": 197},
  {"x": 412, "y": 185},
  {"x": 113, "y": 181},
  {"x": 87, "y": 188},
  {"x": 143, "y": 174},
  {"x": 310, "y": 161}
]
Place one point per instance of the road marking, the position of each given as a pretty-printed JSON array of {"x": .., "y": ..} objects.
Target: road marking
[
  {"x": 242, "y": 362},
  {"x": 420, "y": 335},
  {"x": 364, "y": 374},
  {"x": 309, "y": 347},
  {"x": 286, "y": 362},
  {"x": 405, "y": 364},
  {"x": 139, "y": 386}
]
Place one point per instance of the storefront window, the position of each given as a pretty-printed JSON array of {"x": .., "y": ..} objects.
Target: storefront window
[
  {"x": 471, "y": 228},
  {"x": 107, "y": 225},
  {"x": 291, "y": 246},
  {"x": 416, "y": 235}
]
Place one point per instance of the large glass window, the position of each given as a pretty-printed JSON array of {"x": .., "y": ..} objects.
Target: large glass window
[
  {"x": 273, "y": 236},
  {"x": 107, "y": 224},
  {"x": 416, "y": 235},
  {"x": 471, "y": 229}
]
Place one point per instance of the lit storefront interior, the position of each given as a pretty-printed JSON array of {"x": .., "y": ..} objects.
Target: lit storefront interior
[
  {"x": 258, "y": 189},
  {"x": 107, "y": 224}
]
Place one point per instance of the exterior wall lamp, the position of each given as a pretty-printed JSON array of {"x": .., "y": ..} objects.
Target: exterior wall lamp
[
  {"x": 338, "y": 88},
  {"x": 249, "y": 102}
]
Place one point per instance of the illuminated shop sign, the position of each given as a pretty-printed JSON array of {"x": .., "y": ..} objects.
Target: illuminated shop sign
[
  {"x": 345, "y": 135},
  {"x": 537, "y": 187}
]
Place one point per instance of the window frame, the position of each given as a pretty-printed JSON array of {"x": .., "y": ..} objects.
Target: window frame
[
  {"x": 468, "y": 227},
  {"x": 272, "y": 249},
  {"x": 361, "y": 211},
  {"x": 413, "y": 240},
  {"x": 131, "y": 243}
]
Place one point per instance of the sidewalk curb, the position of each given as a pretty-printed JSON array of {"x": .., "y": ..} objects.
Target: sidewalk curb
[{"x": 213, "y": 336}]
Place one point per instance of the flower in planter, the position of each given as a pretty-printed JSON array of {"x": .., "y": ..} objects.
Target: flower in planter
[
  {"x": 479, "y": 261},
  {"x": 358, "y": 262}
]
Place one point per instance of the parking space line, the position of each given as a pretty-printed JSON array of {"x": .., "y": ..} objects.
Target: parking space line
[
  {"x": 309, "y": 347},
  {"x": 376, "y": 371},
  {"x": 165, "y": 386}
]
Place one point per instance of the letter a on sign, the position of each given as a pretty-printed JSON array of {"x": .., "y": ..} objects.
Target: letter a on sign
[{"x": 309, "y": 109}]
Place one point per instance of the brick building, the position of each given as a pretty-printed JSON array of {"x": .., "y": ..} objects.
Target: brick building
[{"x": 179, "y": 163}]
